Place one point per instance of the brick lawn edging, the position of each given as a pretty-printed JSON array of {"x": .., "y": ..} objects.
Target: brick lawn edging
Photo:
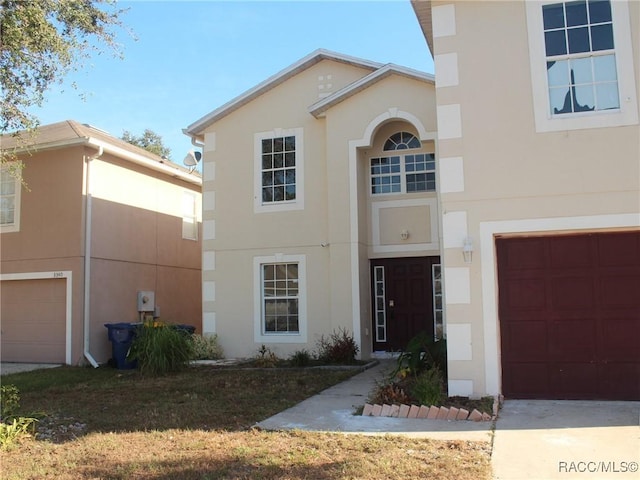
[{"x": 430, "y": 412}]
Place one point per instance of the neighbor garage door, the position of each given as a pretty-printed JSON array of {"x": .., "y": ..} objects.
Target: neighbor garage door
[
  {"x": 33, "y": 320},
  {"x": 569, "y": 310}
]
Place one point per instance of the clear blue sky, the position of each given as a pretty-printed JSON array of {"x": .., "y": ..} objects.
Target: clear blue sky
[{"x": 190, "y": 57}]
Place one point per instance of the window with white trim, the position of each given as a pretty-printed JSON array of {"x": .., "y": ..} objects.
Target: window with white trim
[
  {"x": 280, "y": 301},
  {"x": 412, "y": 172},
  {"x": 189, "y": 216},
  {"x": 279, "y": 170},
  {"x": 580, "y": 56},
  {"x": 581, "y": 64},
  {"x": 10, "y": 186}
]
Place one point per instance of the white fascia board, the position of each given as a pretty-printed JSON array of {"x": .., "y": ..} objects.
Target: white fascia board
[
  {"x": 144, "y": 161},
  {"x": 195, "y": 129},
  {"x": 318, "y": 108}
]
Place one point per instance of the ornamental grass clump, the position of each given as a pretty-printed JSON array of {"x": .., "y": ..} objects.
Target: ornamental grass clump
[
  {"x": 340, "y": 348},
  {"x": 160, "y": 348}
]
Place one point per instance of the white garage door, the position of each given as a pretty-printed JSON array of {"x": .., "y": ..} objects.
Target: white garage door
[{"x": 32, "y": 320}]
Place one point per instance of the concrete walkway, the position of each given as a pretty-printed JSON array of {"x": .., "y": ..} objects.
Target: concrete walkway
[
  {"x": 7, "y": 368},
  {"x": 333, "y": 411},
  {"x": 553, "y": 439}
]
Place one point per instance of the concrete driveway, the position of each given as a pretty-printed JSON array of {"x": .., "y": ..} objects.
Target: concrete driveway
[
  {"x": 7, "y": 368},
  {"x": 547, "y": 439}
]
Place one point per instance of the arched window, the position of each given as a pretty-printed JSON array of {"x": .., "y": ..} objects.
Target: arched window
[{"x": 401, "y": 141}]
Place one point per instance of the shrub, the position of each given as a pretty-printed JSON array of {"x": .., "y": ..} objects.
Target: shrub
[
  {"x": 9, "y": 401},
  {"x": 160, "y": 348},
  {"x": 428, "y": 388},
  {"x": 12, "y": 426},
  {"x": 206, "y": 347},
  {"x": 266, "y": 358},
  {"x": 421, "y": 354},
  {"x": 340, "y": 348},
  {"x": 300, "y": 358}
]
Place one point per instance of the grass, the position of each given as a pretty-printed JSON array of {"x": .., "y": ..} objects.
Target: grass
[{"x": 196, "y": 424}]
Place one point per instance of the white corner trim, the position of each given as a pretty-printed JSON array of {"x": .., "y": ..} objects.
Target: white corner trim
[
  {"x": 210, "y": 142},
  {"x": 489, "y": 271},
  {"x": 444, "y": 20},
  {"x": 449, "y": 121},
  {"x": 454, "y": 229},
  {"x": 208, "y": 260},
  {"x": 209, "y": 291},
  {"x": 446, "y": 67},
  {"x": 68, "y": 276},
  {"x": 451, "y": 174},
  {"x": 459, "y": 345},
  {"x": 457, "y": 285},
  {"x": 432, "y": 203},
  {"x": 209, "y": 323},
  {"x": 208, "y": 200},
  {"x": 460, "y": 388},
  {"x": 209, "y": 230}
]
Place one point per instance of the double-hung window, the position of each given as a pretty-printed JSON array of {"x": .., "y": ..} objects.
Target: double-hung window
[
  {"x": 280, "y": 299},
  {"x": 189, "y": 216},
  {"x": 10, "y": 185},
  {"x": 279, "y": 170},
  {"x": 580, "y": 55},
  {"x": 403, "y": 172},
  {"x": 582, "y": 64}
]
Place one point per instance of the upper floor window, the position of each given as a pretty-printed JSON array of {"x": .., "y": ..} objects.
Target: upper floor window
[
  {"x": 582, "y": 64},
  {"x": 189, "y": 216},
  {"x": 279, "y": 170},
  {"x": 401, "y": 141},
  {"x": 403, "y": 173},
  {"x": 9, "y": 198},
  {"x": 580, "y": 56}
]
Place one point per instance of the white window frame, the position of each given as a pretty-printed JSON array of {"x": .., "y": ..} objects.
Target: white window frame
[
  {"x": 189, "y": 216},
  {"x": 259, "y": 334},
  {"x": 402, "y": 173},
  {"x": 627, "y": 114},
  {"x": 298, "y": 204},
  {"x": 5, "y": 169}
]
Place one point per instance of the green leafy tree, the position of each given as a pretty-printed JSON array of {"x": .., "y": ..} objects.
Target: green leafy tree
[
  {"x": 40, "y": 42},
  {"x": 149, "y": 140}
]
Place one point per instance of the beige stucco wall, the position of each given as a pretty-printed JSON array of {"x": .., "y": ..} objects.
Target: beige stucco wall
[
  {"x": 321, "y": 231},
  {"x": 513, "y": 175}
]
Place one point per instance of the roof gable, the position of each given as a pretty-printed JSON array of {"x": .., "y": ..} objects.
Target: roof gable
[
  {"x": 313, "y": 58},
  {"x": 318, "y": 108}
]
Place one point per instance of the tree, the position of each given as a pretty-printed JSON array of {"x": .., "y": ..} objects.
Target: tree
[
  {"x": 40, "y": 42},
  {"x": 150, "y": 141}
]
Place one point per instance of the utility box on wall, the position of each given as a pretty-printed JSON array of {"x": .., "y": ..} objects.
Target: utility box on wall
[{"x": 146, "y": 301}]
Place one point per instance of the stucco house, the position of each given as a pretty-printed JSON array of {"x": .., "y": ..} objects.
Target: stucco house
[
  {"x": 99, "y": 231},
  {"x": 320, "y": 208},
  {"x": 537, "y": 107}
]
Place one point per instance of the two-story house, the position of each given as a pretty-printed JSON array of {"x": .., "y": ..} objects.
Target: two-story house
[
  {"x": 96, "y": 231},
  {"x": 537, "y": 106},
  {"x": 320, "y": 208}
]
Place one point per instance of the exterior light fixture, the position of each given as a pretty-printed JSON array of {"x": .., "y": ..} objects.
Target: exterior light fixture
[
  {"x": 404, "y": 234},
  {"x": 467, "y": 249}
]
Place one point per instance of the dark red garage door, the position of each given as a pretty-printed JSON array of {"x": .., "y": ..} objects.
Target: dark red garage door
[{"x": 569, "y": 311}]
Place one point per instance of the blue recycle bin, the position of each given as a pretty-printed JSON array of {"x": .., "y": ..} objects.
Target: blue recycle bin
[{"x": 121, "y": 335}]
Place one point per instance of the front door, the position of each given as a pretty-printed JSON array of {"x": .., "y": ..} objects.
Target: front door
[{"x": 402, "y": 300}]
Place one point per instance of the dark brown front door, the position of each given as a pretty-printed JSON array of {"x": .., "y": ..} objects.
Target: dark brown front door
[
  {"x": 569, "y": 311},
  {"x": 402, "y": 300}
]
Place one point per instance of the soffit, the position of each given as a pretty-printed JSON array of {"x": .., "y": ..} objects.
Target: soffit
[{"x": 422, "y": 8}]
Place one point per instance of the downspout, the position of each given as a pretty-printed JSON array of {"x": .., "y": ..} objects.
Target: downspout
[{"x": 87, "y": 258}]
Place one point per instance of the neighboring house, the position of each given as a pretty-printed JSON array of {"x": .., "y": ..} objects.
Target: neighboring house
[
  {"x": 320, "y": 209},
  {"x": 97, "y": 221},
  {"x": 537, "y": 106}
]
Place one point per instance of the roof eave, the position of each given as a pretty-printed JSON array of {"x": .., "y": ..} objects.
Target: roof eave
[{"x": 422, "y": 9}]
